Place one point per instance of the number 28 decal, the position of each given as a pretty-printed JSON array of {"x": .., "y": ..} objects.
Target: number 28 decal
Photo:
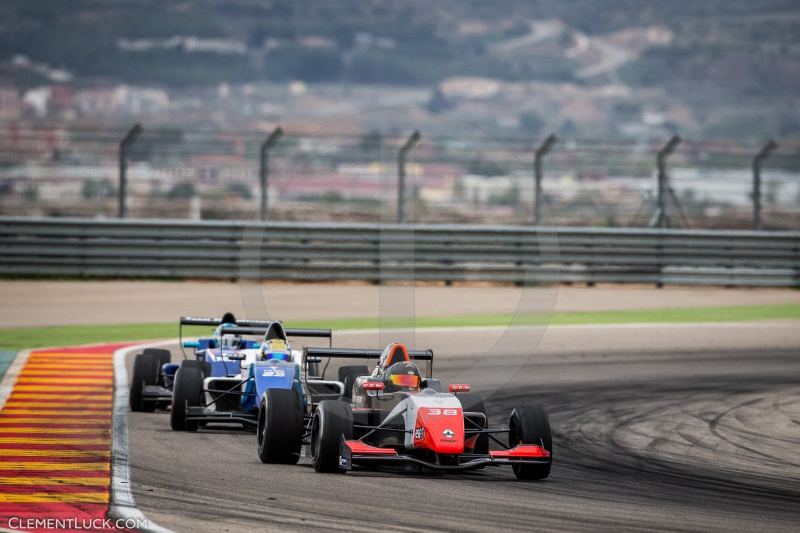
[{"x": 445, "y": 412}]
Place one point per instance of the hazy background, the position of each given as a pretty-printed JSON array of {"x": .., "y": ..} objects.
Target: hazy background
[{"x": 209, "y": 80}]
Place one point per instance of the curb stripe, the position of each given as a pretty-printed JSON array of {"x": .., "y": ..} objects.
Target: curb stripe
[
  {"x": 41, "y": 422},
  {"x": 17, "y": 430},
  {"x": 41, "y": 474},
  {"x": 30, "y": 464},
  {"x": 55, "y": 480},
  {"x": 52, "y": 454},
  {"x": 87, "y": 497},
  {"x": 52, "y": 440},
  {"x": 56, "y": 435},
  {"x": 51, "y": 489}
]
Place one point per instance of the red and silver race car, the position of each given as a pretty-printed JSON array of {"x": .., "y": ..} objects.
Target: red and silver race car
[{"x": 399, "y": 418}]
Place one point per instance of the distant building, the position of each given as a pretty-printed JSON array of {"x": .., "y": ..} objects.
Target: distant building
[
  {"x": 10, "y": 103},
  {"x": 188, "y": 44},
  {"x": 121, "y": 99},
  {"x": 97, "y": 101},
  {"x": 62, "y": 99},
  {"x": 37, "y": 100}
]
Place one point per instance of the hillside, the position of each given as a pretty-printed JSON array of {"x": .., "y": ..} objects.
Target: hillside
[{"x": 706, "y": 54}]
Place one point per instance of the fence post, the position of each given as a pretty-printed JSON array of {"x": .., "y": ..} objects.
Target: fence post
[
  {"x": 543, "y": 149},
  {"x": 125, "y": 143},
  {"x": 412, "y": 140},
  {"x": 764, "y": 153},
  {"x": 660, "y": 219},
  {"x": 263, "y": 169}
]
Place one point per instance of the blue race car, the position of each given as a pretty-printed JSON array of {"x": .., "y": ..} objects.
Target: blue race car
[
  {"x": 224, "y": 385},
  {"x": 216, "y": 356}
]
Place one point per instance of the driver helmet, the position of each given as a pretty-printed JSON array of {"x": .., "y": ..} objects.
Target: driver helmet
[
  {"x": 277, "y": 349},
  {"x": 230, "y": 342},
  {"x": 402, "y": 376}
]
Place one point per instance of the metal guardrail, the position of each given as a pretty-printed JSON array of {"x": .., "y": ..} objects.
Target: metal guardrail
[{"x": 300, "y": 251}]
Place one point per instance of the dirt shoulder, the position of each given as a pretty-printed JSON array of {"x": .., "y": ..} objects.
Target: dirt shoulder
[{"x": 32, "y": 303}]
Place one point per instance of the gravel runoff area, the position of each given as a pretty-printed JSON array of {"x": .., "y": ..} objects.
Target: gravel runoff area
[{"x": 50, "y": 303}]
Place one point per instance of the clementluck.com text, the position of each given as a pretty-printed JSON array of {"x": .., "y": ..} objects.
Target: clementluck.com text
[{"x": 77, "y": 523}]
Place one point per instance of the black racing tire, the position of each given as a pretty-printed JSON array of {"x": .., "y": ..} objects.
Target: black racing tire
[
  {"x": 163, "y": 356},
  {"x": 188, "y": 392},
  {"x": 145, "y": 372},
  {"x": 348, "y": 375},
  {"x": 279, "y": 435},
  {"x": 332, "y": 420},
  {"x": 203, "y": 366},
  {"x": 473, "y": 402},
  {"x": 529, "y": 424}
]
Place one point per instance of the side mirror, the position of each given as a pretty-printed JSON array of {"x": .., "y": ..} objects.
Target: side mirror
[
  {"x": 458, "y": 387},
  {"x": 191, "y": 344},
  {"x": 372, "y": 385}
]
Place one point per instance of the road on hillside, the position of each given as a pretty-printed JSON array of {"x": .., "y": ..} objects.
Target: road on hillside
[{"x": 670, "y": 427}]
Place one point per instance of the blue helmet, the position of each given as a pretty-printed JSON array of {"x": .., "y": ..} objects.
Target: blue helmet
[{"x": 228, "y": 341}]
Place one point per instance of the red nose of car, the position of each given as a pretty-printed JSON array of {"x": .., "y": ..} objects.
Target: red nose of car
[{"x": 440, "y": 430}]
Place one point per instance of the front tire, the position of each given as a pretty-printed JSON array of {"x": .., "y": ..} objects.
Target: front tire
[
  {"x": 332, "y": 421},
  {"x": 529, "y": 424},
  {"x": 145, "y": 372},
  {"x": 188, "y": 392},
  {"x": 280, "y": 427}
]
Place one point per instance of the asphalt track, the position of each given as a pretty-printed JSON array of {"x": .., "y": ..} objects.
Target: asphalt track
[{"x": 682, "y": 428}]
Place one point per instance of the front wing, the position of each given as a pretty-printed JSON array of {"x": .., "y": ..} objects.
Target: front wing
[
  {"x": 156, "y": 393},
  {"x": 355, "y": 452},
  {"x": 211, "y": 416}
]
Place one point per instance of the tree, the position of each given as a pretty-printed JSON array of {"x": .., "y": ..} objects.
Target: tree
[
  {"x": 181, "y": 191},
  {"x": 508, "y": 197},
  {"x": 568, "y": 129},
  {"x": 370, "y": 142},
  {"x": 31, "y": 192},
  {"x": 240, "y": 190},
  {"x": 531, "y": 123},
  {"x": 94, "y": 189},
  {"x": 438, "y": 102},
  {"x": 482, "y": 167}
]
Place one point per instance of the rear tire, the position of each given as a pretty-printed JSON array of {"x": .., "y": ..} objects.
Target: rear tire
[
  {"x": 332, "y": 420},
  {"x": 163, "y": 357},
  {"x": 280, "y": 427},
  {"x": 529, "y": 424},
  {"x": 188, "y": 392},
  {"x": 145, "y": 373},
  {"x": 203, "y": 366},
  {"x": 348, "y": 375}
]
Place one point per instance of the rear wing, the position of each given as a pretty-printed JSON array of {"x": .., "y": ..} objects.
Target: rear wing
[
  {"x": 201, "y": 321},
  {"x": 290, "y": 332},
  {"x": 316, "y": 355},
  {"x": 353, "y": 353},
  {"x": 250, "y": 327}
]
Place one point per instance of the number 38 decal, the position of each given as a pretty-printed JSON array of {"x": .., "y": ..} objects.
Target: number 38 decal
[{"x": 444, "y": 412}]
